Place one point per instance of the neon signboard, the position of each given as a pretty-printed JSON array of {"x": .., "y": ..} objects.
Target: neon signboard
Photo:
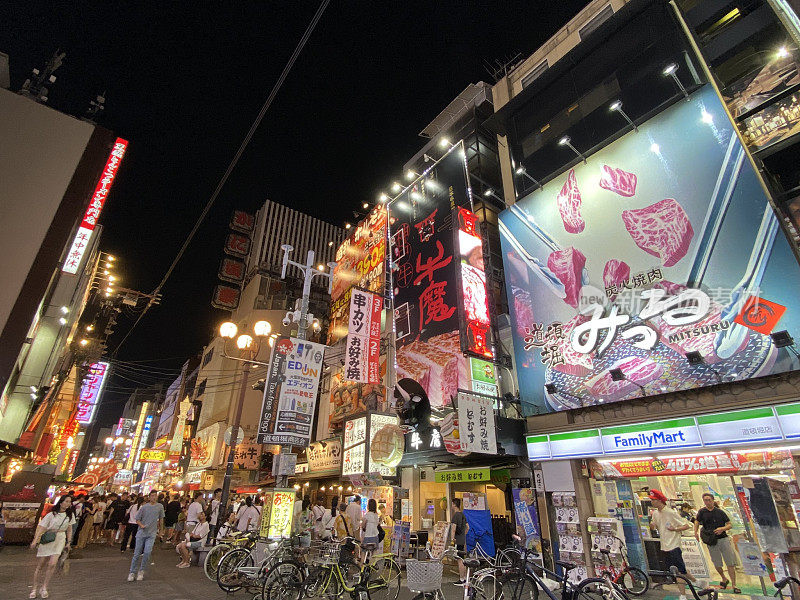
[
  {"x": 474, "y": 303},
  {"x": 81, "y": 241},
  {"x": 90, "y": 392}
]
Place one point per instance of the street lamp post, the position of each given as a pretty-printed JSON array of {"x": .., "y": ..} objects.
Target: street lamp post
[{"x": 247, "y": 347}]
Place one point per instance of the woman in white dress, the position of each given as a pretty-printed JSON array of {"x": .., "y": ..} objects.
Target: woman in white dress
[{"x": 60, "y": 520}]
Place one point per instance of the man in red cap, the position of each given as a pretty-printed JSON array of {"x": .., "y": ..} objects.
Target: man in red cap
[{"x": 669, "y": 525}]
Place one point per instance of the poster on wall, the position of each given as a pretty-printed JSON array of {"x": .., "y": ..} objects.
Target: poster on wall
[
  {"x": 476, "y": 424},
  {"x": 290, "y": 392},
  {"x": 472, "y": 273},
  {"x": 425, "y": 279},
  {"x": 527, "y": 519},
  {"x": 698, "y": 265}
]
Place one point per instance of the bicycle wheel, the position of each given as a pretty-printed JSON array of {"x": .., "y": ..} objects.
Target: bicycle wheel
[
  {"x": 486, "y": 586},
  {"x": 213, "y": 557},
  {"x": 283, "y": 581},
  {"x": 322, "y": 583},
  {"x": 596, "y": 588},
  {"x": 516, "y": 587},
  {"x": 384, "y": 580},
  {"x": 228, "y": 577},
  {"x": 635, "y": 581},
  {"x": 508, "y": 557}
]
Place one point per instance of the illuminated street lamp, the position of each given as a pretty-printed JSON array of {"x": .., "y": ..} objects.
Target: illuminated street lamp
[{"x": 109, "y": 440}]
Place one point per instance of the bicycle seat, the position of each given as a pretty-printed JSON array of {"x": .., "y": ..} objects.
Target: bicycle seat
[
  {"x": 471, "y": 563},
  {"x": 712, "y": 593},
  {"x": 567, "y": 566},
  {"x": 605, "y": 551}
]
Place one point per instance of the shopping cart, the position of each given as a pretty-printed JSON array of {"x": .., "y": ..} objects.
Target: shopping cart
[{"x": 425, "y": 579}]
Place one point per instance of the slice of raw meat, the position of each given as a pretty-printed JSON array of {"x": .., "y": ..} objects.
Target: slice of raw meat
[
  {"x": 618, "y": 181},
  {"x": 636, "y": 369},
  {"x": 616, "y": 272},
  {"x": 569, "y": 205},
  {"x": 575, "y": 363},
  {"x": 567, "y": 264},
  {"x": 661, "y": 229}
]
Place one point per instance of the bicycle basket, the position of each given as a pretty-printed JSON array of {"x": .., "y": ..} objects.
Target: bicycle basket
[
  {"x": 327, "y": 553},
  {"x": 423, "y": 576}
]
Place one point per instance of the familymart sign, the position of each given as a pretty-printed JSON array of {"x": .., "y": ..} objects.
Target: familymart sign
[{"x": 767, "y": 424}]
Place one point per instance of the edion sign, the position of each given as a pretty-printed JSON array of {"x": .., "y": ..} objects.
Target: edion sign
[
  {"x": 96, "y": 203},
  {"x": 90, "y": 392}
]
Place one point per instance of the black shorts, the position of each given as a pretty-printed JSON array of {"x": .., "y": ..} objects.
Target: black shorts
[
  {"x": 461, "y": 549},
  {"x": 674, "y": 558},
  {"x": 112, "y": 524}
]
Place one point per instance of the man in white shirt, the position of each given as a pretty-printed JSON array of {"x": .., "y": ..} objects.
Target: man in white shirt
[
  {"x": 195, "y": 508},
  {"x": 194, "y": 540},
  {"x": 215, "y": 502},
  {"x": 669, "y": 525},
  {"x": 353, "y": 514}
]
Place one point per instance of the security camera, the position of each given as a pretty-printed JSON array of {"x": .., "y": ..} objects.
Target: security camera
[{"x": 286, "y": 321}]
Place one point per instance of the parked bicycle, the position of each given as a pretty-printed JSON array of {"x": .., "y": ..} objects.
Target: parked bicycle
[
  {"x": 248, "y": 567},
  {"x": 504, "y": 557},
  {"x": 633, "y": 579},
  {"x": 779, "y": 585},
  {"x": 237, "y": 539},
  {"x": 672, "y": 576}
]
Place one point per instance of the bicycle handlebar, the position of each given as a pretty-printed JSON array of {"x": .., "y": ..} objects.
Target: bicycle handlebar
[{"x": 784, "y": 582}]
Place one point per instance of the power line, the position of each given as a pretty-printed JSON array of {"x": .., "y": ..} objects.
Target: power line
[{"x": 233, "y": 163}]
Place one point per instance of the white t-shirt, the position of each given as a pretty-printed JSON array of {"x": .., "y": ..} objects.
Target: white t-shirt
[
  {"x": 248, "y": 518},
  {"x": 371, "y": 521},
  {"x": 132, "y": 511},
  {"x": 668, "y": 517},
  {"x": 214, "y": 511},
  {"x": 56, "y": 521},
  {"x": 191, "y": 514},
  {"x": 98, "y": 516},
  {"x": 200, "y": 531}
]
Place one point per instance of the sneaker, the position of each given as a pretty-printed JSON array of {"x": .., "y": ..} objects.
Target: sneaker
[
  {"x": 682, "y": 597},
  {"x": 184, "y": 566},
  {"x": 131, "y": 576},
  {"x": 140, "y": 576},
  {"x": 44, "y": 593},
  {"x": 462, "y": 583},
  {"x": 32, "y": 594}
]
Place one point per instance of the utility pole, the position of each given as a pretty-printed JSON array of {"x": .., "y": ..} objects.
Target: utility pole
[
  {"x": 237, "y": 419},
  {"x": 302, "y": 316}
]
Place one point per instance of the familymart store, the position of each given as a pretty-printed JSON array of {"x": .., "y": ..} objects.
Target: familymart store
[{"x": 599, "y": 480}]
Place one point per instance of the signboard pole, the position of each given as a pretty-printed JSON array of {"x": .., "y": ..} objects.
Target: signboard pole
[{"x": 226, "y": 483}]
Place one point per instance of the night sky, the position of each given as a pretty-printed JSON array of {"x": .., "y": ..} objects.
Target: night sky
[{"x": 183, "y": 83}]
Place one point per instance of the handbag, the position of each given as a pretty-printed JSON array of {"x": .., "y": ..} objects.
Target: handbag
[
  {"x": 49, "y": 536},
  {"x": 709, "y": 537}
]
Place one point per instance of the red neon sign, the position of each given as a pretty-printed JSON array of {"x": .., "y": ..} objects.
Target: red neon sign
[{"x": 98, "y": 199}]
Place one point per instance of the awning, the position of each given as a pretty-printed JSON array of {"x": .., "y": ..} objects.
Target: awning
[{"x": 15, "y": 451}]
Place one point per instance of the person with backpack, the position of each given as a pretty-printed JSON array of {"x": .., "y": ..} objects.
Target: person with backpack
[{"x": 711, "y": 526}]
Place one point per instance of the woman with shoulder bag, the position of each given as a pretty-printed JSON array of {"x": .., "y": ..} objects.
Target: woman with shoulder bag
[{"x": 53, "y": 535}]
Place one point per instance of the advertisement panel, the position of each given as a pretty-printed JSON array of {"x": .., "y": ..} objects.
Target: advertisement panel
[
  {"x": 351, "y": 397},
  {"x": 291, "y": 390},
  {"x": 325, "y": 455},
  {"x": 698, "y": 266},
  {"x": 426, "y": 278},
  {"x": 203, "y": 448},
  {"x": 476, "y": 423},
  {"x": 722, "y": 462},
  {"x": 151, "y": 455},
  {"x": 90, "y": 392},
  {"x": 474, "y": 302},
  {"x": 359, "y": 264},
  {"x": 362, "y": 352}
]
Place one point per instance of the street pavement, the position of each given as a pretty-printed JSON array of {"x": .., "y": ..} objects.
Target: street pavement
[{"x": 100, "y": 572}]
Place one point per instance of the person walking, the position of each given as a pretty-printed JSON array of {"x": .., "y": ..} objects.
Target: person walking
[
  {"x": 711, "y": 526},
  {"x": 212, "y": 512},
  {"x": 248, "y": 516},
  {"x": 53, "y": 536},
  {"x": 353, "y": 513},
  {"x": 86, "y": 523},
  {"x": 98, "y": 520},
  {"x": 130, "y": 525},
  {"x": 116, "y": 517},
  {"x": 195, "y": 539},
  {"x": 171, "y": 512},
  {"x": 150, "y": 520},
  {"x": 460, "y": 521},
  {"x": 670, "y": 525}
]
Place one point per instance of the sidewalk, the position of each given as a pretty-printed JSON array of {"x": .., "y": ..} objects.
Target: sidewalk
[{"x": 101, "y": 572}]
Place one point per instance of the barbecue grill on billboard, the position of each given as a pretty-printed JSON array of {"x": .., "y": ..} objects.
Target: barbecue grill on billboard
[
  {"x": 425, "y": 279},
  {"x": 658, "y": 265}
]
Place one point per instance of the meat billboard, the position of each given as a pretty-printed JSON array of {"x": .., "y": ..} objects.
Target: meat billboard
[
  {"x": 662, "y": 245},
  {"x": 425, "y": 279}
]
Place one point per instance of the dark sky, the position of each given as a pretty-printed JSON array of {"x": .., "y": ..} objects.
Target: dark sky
[{"x": 184, "y": 81}]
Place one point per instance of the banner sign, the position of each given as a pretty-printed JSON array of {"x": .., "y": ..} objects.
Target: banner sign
[
  {"x": 325, "y": 455},
  {"x": 98, "y": 199},
  {"x": 463, "y": 475},
  {"x": 730, "y": 462},
  {"x": 474, "y": 303},
  {"x": 733, "y": 428},
  {"x": 476, "y": 424},
  {"x": 151, "y": 455},
  {"x": 290, "y": 393},
  {"x": 91, "y": 389},
  {"x": 426, "y": 279},
  {"x": 362, "y": 352},
  {"x": 698, "y": 264}
]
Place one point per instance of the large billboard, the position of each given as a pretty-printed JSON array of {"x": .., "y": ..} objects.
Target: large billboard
[
  {"x": 657, "y": 265},
  {"x": 425, "y": 279}
]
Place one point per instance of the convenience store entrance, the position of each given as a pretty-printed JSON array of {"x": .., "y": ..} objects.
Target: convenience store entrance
[{"x": 750, "y": 487}]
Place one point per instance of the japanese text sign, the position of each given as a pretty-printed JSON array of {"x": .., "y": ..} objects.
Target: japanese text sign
[
  {"x": 654, "y": 249},
  {"x": 290, "y": 393},
  {"x": 476, "y": 424},
  {"x": 96, "y": 203},
  {"x": 463, "y": 475},
  {"x": 90, "y": 392},
  {"x": 362, "y": 352},
  {"x": 151, "y": 455}
]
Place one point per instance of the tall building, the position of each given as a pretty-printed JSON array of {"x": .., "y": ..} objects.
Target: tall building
[
  {"x": 652, "y": 271},
  {"x": 56, "y": 171}
]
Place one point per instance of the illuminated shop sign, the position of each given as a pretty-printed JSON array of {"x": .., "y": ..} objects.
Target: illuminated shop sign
[
  {"x": 90, "y": 392},
  {"x": 739, "y": 427},
  {"x": 98, "y": 199},
  {"x": 474, "y": 303},
  {"x": 662, "y": 247}
]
